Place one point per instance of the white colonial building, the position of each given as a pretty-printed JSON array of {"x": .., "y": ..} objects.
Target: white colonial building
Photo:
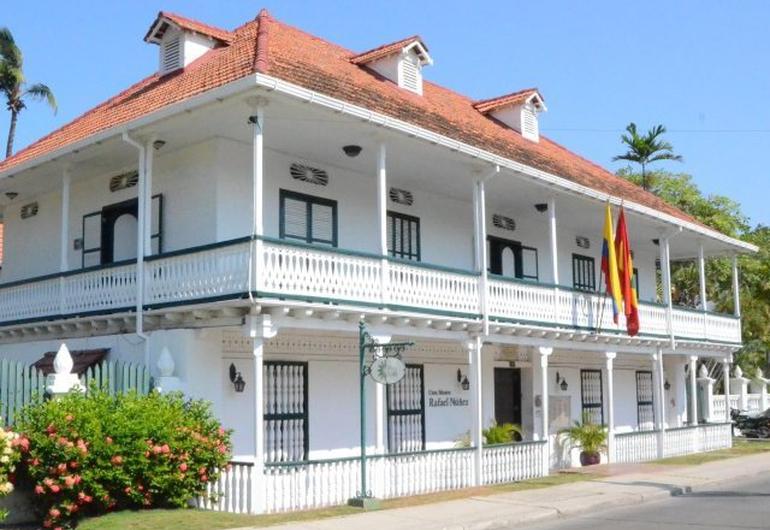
[{"x": 264, "y": 191}]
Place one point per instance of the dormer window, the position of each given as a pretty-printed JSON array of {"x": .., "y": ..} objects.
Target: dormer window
[
  {"x": 519, "y": 111},
  {"x": 401, "y": 62},
  {"x": 182, "y": 40}
]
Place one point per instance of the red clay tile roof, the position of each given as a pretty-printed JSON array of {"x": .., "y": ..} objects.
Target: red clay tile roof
[
  {"x": 192, "y": 25},
  {"x": 385, "y": 50},
  {"x": 82, "y": 360},
  {"x": 486, "y": 106},
  {"x": 316, "y": 64}
]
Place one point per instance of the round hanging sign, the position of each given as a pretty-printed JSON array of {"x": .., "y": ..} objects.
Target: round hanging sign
[{"x": 388, "y": 370}]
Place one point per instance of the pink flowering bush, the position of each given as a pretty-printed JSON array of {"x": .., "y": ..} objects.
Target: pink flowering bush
[
  {"x": 88, "y": 454},
  {"x": 11, "y": 447}
]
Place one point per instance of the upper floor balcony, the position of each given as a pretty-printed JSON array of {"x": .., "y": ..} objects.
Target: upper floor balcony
[{"x": 418, "y": 232}]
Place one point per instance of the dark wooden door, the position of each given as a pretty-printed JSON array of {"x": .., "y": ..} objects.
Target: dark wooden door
[
  {"x": 111, "y": 214},
  {"x": 505, "y": 257},
  {"x": 508, "y": 395}
]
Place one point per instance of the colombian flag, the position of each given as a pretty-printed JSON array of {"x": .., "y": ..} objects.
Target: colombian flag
[
  {"x": 626, "y": 273},
  {"x": 610, "y": 266}
]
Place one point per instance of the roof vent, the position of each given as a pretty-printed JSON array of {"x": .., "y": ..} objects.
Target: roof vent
[
  {"x": 400, "y": 61},
  {"x": 309, "y": 174},
  {"x": 171, "y": 54},
  {"x": 518, "y": 111},
  {"x": 400, "y": 196},
  {"x": 503, "y": 222},
  {"x": 29, "y": 210},
  {"x": 126, "y": 180},
  {"x": 183, "y": 40}
]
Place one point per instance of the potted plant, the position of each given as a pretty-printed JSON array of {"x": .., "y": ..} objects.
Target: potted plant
[
  {"x": 590, "y": 437},
  {"x": 502, "y": 433}
]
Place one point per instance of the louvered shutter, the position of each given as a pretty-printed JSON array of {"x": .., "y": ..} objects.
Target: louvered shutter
[
  {"x": 295, "y": 219},
  {"x": 172, "y": 54},
  {"x": 411, "y": 77},
  {"x": 322, "y": 218}
]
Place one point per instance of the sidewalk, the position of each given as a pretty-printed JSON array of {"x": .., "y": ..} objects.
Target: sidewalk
[{"x": 614, "y": 486}]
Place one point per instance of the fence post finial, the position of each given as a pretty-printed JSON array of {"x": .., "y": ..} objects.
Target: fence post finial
[
  {"x": 62, "y": 380},
  {"x": 167, "y": 381}
]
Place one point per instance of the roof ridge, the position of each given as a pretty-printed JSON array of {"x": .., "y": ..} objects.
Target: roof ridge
[
  {"x": 262, "y": 43},
  {"x": 373, "y": 53}
]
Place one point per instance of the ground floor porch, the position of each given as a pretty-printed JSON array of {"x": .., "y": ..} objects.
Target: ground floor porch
[{"x": 425, "y": 433}]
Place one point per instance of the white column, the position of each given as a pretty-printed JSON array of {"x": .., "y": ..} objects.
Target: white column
[
  {"x": 259, "y": 329},
  {"x": 553, "y": 240},
  {"x": 257, "y": 119},
  {"x": 65, "y": 220},
  {"x": 484, "y": 291},
  {"x": 141, "y": 192},
  {"x": 706, "y": 391},
  {"x": 702, "y": 277},
  {"x": 382, "y": 218},
  {"x": 544, "y": 353},
  {"x": 692, "y": 413},
  {"x": 736, "y": 288},
  {"x": 149, "y": 149},
  {"x": 658, "y": 376},
  {"x": 380, "y": 407},
  {"x": 726, "y": 378},
  {"x": 610, "y": 357},
  {"x": 665, "y": 266},
  {"x": 474, "y": 347}
]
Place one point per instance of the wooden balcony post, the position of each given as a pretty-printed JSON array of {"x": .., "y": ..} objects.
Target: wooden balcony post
[
  {"x": 610, "y": 357},
  {"x": 736, "y": 288},
  {"x": 257, "y": 119},
  {"x": 382, "y": 217},
  {"x": 554, "y": 256}
]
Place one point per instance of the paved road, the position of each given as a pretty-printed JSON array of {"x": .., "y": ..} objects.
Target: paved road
[{"x": 743, "y": 505}]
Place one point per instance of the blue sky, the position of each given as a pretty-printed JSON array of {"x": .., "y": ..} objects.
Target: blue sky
[{"x": 698, "y": 67}]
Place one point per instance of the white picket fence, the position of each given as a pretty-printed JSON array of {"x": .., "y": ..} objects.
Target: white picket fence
[
  {"x": 22, "y": 384},
  {"x": 322, "y": 483},
  {"x": 643, "y": 446}
]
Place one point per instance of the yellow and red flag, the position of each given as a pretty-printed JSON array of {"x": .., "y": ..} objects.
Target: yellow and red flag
[
  {"x": 610, "y": 266},
  {"x": 626, "y": 274}
]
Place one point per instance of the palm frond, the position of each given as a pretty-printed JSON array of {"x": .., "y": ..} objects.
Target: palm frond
[
  {"x": 42, "y": 92},
  {"x": 9, "y": 51}
]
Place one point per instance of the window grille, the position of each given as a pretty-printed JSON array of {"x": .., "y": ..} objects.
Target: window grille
[
  {"x": 286, "y": 412},
  {"x": 406, "y": 412},
  {"x": 645, "y": 411},
  {"x": 592, "y": 395}
]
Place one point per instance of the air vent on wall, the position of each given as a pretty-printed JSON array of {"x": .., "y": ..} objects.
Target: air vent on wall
[
  {"x": 582, "y": 242},
  {"x": 126, "y": 180},
  {"x": 503, "y": 222},
  {"x": 29, "y": 210},
  {"x": 309, "y": 174},
  {"x": 401, "y": 196}
]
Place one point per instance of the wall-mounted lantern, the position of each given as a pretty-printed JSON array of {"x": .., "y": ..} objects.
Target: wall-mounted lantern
[
  {"x": 561, "y": 382},
  {"x": 236, "y": 379},
  {"x": 463, "y": 380},
  {"x": 667, "y": 385}
]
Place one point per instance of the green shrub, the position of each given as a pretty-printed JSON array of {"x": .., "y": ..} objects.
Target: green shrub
[
  {"x": 588, "y": 436},
  {"x": 88, "y": 454}
]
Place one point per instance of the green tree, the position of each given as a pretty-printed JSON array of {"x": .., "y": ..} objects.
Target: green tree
[
  {"x": 14, "y": 86},
  {"x": 644, "y": 149},
  {"x": 724, "y": 215}
]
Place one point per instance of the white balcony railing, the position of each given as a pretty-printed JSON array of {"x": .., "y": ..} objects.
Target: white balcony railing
[{"x": 312, "y": 273}]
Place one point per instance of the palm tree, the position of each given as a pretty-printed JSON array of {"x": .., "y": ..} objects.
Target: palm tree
[
  {"x": 14, "y": 86},
  {"x": 647, "y": 148}
]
